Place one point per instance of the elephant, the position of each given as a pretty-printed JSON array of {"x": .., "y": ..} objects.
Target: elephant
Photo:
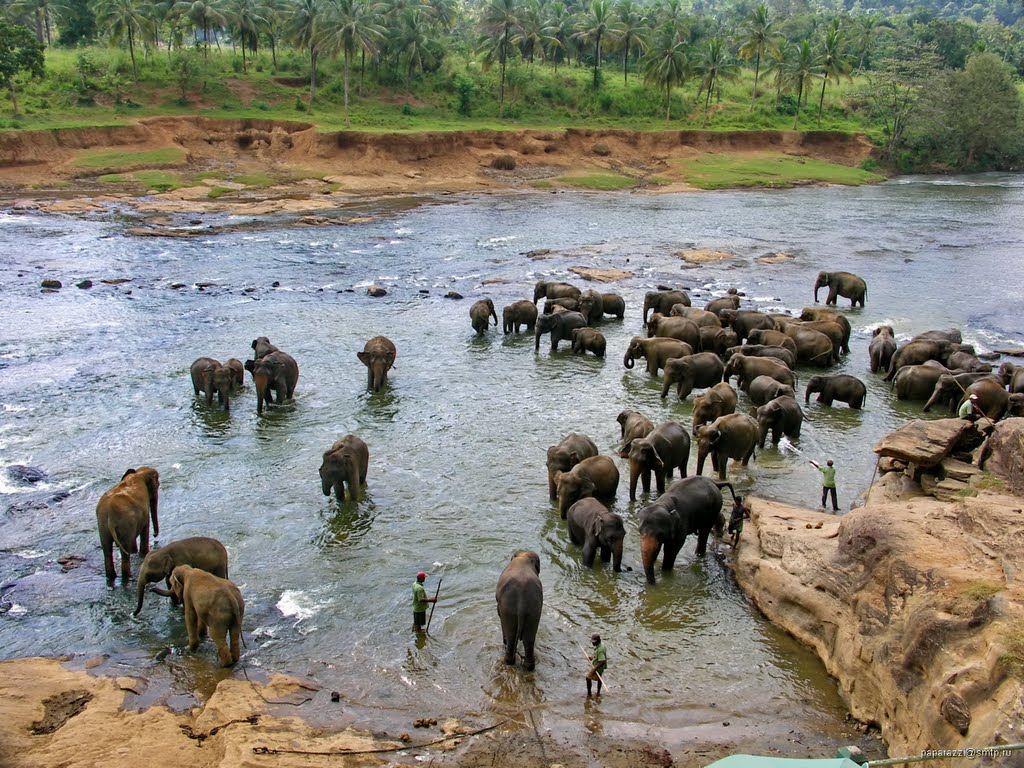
[
  {"x": 1013, "y": 375},
  {"x": 237, "y": 371},
  {"x": 769, "y": 337},
  {"x": 560, "y": 325},
  {"x": 657, "y": 350},
  {"x": 123, "y": 514},
  {"x": 344, "y": 462},
  {"x": 731, "y": 301},
  {"x": 764, "y": 389},
  {"x": 717, "y": 401},
  {"x": 481, "y": 313},
  {"x": 727, "y": 437},
  {"x": 746, "y": 368},
  {"x": 593, "y": 527},
  {"x": 952, "y": 335},
  {"x": 917, "y": 382},
  {"x": 591, "y": 305},
  {"x": 546, "y": 290},
  {"x": 213, "y": 605},
  {"x": 378, "y": 356},
  {"x": 763, "y": 350},
  {"x": 949, "y": 389},
  {"x": 834, "y": 331},
  {"x": 717, "y": 340},
  {"x": 588, "y": 340},
  {"x": 519, "y": 313},
  {"x": 262, "y": 347},
  {"x": 198, "y": 551},
  {"x": 811, "y": 346},
  {"x": 614, "y": 305},
  {"x": 881, "y": 348},
  {"x": 967, "y": 362},
  {"x": 849, "y": 389},
  {"x": 783, "y": 416},
  {"x": 993, "y": 399},
  {"x": 520, "y": 599},
  {"x": 703, "y": 369},
  {"x": 275, "y": 372},
  {"x": 701, "y": 317},
  {"x": 746, "y": 320},
  {"x": 916, "y": 353},
  {"x": 674, "y": 328},
  {"x": 815, "y": 314},
  {"x": 209, "y": 376},
  {"x": 634, "y": 424},
  {"x": 663, "y": 301},
  {"x": 664, "y": 448},
  {"x": 692, "y": 505},
  {"x": 845, "y": 284},
  {"x": 570, "y": 451},
  {"x": 595, "y": 476},
  {"x": 557, "y": 305}
]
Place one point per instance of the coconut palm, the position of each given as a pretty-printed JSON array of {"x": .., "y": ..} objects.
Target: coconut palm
[
  {"x": 561, "y": 25},
  {"x": 757, "y": 39},
  {"x": 413, "y": 42},
  {"x": 834, "y": 60},
  {"x": 122, "y": 18},
  {"x": 41, "y": 13},
  {"x": 665, "y": 65},
  {"x": 632, "y": 30},
  {"x": 714, "y": 64},
  {"x": 862, "y": 36},
  {"x": 273, "y": 12},
  {"x": 671, "y": 15},
  {"x": 597, "y": 23},
  {"x": 303, "y": 29},
  {"x": 500, "y": 22},
  {"x": 203, "y": 14},
  {"x": 533, "y": 31},
  {"x": 801, "y": 69},
  {"x": 352, "y": 27},
  {"x": 246, "y": 19},
  {"x": 778, "y": 67}
]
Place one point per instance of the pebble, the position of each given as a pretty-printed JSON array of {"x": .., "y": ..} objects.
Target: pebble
[
  {"x": 84, "y": 284},
  {"x": 51, "y": 283}
]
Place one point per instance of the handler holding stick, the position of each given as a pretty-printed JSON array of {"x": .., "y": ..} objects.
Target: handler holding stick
[{"x": 599, "y": 662}]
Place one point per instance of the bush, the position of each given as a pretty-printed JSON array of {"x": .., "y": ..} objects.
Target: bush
[
  {"x": 504, "y": 163},
  {"x": 300, "y": 105}
]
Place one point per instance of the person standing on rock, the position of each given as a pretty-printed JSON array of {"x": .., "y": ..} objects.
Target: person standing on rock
[
  {"x": 828, "y": 483},
  {"x": 419, "y": 602},
  {"x": 740, "y": 512}
]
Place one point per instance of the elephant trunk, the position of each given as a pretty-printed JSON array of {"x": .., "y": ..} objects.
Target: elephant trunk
[
  {"x": 617, "y": 555},
  {"x": 817, "y": 287},
  {"x": 628, "y": 359},
  {"x": 143, "y": 581},
  {"x": 649, "y": 547},
  {"x": 665, "y": 384},
  {"x": 494, "y": 314},
  {"x": 536, "y": 338},
  {"x": 702, "y": 454},
  {"x": 763, "y": 430},
  {"x": 153, "y": 503},
  {"x": 353, "y": 481},
  {"x": 931, "y": 401},
  {"x": 807, "y": 395},
  {"x": 325, "y": 483},
  {"x": 162, "y": 592},
  {"x": 634, "y": 475}
]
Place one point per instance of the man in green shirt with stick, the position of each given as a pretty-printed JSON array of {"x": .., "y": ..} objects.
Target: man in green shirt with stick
[
  {"x": 828, "y": 483},
  {"x": 419, "y": 602},
  {"x": 598, "y": 662}
]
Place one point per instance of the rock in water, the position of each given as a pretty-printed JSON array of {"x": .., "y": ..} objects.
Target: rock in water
[
  {"x": 51, "y": 283},
  {"x": 22, "y": 473}
]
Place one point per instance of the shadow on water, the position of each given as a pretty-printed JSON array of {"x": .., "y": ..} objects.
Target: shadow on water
[
  {"x": 346, "y": 523},
  {"x": 212, "y": 419}
]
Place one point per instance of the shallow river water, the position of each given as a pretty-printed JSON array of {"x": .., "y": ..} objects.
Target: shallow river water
[{"x": 95, "y": 381}]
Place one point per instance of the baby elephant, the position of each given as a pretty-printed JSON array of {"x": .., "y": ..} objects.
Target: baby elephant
[
  {"x": 198, "y": 551},
  {"x": 594, "y": 528},
  {"x": 345, "y": 462},
  {"x": 481, "y": 313},
  {"x": 596, "y": 476},
  {"x": 213, "y": 605},
  {"x": 849, "y": 389},
  {"x": 378, "y": 356},
  {"x": 588, "y": 340},
  {"x": 209, "y": 376}
]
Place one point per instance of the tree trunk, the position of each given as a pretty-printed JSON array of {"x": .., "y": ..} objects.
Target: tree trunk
[
  {"x": 501, "y": 89},
  {"x": 821, "y": 99},
  {"x": 625, "y": 62},
  {"x": 312, "y": 76},
  {"x": 799, "y": 96},
  {"x": 707, "y": 103},
  {"x": 244, "y": 69},
  {"x": 131, "y": 49},
  {"x": 668, "y": 102},
  {"x": 757, "y": 71},
  {"x": 273, "y": 52},
  {"x": 362, "y": 70},
  {"x": 14, "y": 96},
  {"x": 597, "y": 57},
  {"x": 348, "y": 123}
]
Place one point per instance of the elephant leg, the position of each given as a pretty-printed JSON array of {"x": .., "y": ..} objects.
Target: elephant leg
[
  {"x": 702, "y": 541},
  {"x": 191, "y": 626},
  {"x": 682, "y": 467},
  {"x": 589, "y": 550},
  {"x": 606, "y": 553},
  {"x": 723, "y": 466},
  {"x": 659, "y": 478},
  {"x": 219, "y": 636},
  {"x": 174, "y": 598},
  {"x": 126, "y": 566},
  {"x": 528, "y": 658},
  {"x": 107, "y": 545},
  {"x": 833, "y": 295},
  {"x": 668, "y": 561},
  {"x": 645, "y": 480},
  {"x": 236, "y": 637},
  {"x": 746, "y": 459}
]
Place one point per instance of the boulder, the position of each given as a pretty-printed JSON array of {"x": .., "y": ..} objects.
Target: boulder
[
  {"x": 26, "y": 475},
  {"x": 601, "y": 275},
  {"x": 51, "y": 283},
  {"x": 376, "y": 291},
  {"x": 1002, "y": 453},
  {"x": 84, "y": 284},
  {"x": 924, "y": 443}
]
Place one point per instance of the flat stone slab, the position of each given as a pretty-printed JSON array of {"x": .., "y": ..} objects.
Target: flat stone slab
[
  {"x": 923, "y": 443},
  {"x": 601, "y": 275},
  {"x": 703, "y": 256}
]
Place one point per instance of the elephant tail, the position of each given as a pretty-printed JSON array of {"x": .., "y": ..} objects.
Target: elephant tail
[
  {"x": 723, "y": 484},
  {"x": 132, "y": 547}
]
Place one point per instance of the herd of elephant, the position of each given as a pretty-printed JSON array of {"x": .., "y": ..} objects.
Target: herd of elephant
[{"x": 692, "y": 348}]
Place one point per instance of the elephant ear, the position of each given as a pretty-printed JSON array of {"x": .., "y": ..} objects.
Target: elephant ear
[
  {"x": 127, "y": 472},
  {"x": 595, "y": 527},
  {"x": 389, "y": 358},
  {"x": 714, "y": 435},
  {"x": 587, "y": 487},
  {"x": 363, "y": 358}
]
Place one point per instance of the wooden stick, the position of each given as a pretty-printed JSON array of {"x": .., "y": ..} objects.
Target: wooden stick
[
  {"x": 438, "y": 592},
  {"x": 589, "y": 658}
]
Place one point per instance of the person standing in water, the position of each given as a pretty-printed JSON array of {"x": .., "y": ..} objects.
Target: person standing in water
[
  {"x": 828, "y": 483},
  {"x": 598, "y": 664},
  {"x": 419, "y": 602}
]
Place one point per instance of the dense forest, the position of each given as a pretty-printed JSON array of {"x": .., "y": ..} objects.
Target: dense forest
[{"x": 935, "y": 85}]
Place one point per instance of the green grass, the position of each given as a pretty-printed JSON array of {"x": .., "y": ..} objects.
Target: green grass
[
  {"x": 113, "y": 178},
  {"x": 989, "y": 482},
  {"x": 161, "y": 181},
  {"x": 600, "y": 181},
  {"x": 717, "y": 171},
  {"x": 980, "y": 590},
  {"x": 255, "y": 180},
  {"x": 216, "y": 192},
  {"x": 129, "y": 159}
]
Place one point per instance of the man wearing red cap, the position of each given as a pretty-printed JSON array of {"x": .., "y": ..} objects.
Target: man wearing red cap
[{"x": 419, "y": 602}]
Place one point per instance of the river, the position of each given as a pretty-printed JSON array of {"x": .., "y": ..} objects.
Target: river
[{"x": 96, "y": 381}]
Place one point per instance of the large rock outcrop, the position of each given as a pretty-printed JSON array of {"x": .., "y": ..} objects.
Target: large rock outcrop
[{"x": 915, "y": 606}]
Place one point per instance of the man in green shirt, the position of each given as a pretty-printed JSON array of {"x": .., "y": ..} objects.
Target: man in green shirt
[
  {"x": 828, "y": 483},
  {"x": 419, "y": 602},
  {"x": 599, "y": 662}
]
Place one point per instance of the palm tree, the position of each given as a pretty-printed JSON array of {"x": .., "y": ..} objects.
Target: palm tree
[
  {"x": 714, "y": 64},
  {"x": 245, "y": 15},
  {"x": 758, "y": 38},
  {"x": 801, "y": 70},
  {"x": 352, "y": 27},
  {"x": 203, "y": 14},
  {"x": 303, "y": 29},
  {"x": 862, "y": 38},
  {"x": 778, "y": 67},
  {"x": 666, "y": 65},
  {"x": 596, "y": 24},
  {"x": 122, "y": 18},
  {"x": 672, "y": 17},
  {"x": 500, "y": 22},
  {"x": 561, "y": 25},
  {"x": 532, "y": 30},
  {"x": 833, "y": 60},
  {"x": 40, "y": 11},
  {"x": 272, "y": 12},
  {"x": 413, "y": 42},
  {"x": 632, "y": 28}
]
